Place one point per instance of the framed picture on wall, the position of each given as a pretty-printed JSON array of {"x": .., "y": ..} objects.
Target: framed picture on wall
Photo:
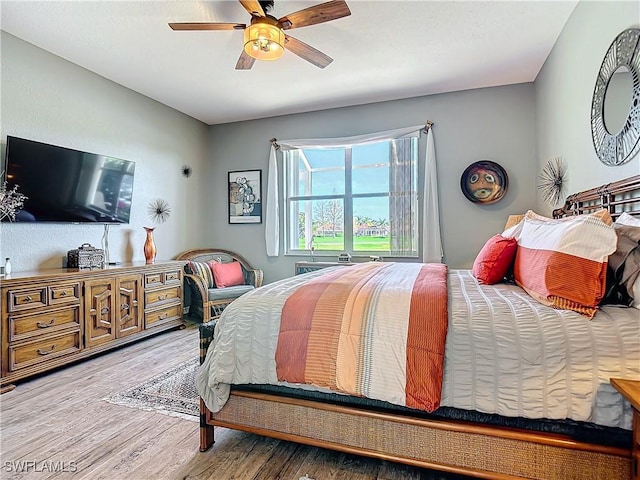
[{"x": 245, "y": 196}]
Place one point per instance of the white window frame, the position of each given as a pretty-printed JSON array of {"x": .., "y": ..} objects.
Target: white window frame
[{"x": 291, "y": 221}]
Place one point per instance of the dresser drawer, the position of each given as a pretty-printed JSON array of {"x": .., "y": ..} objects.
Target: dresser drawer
[
  {"x": 52, "y": 346},
  {"x": 152, "y": 279},
  {"x": 43, "y": 323},
  {"x": 158, "y": 317},
  {"x": 172, "y": 277},
  {"x": 159, "y": 297},
  {"x": 27, "y": 299},
  {"x": 62, "y": 294}
]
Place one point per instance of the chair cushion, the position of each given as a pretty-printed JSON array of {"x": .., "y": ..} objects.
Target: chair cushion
[
  {"x": 229, "y": 292},
  {"x": 227, "y": 274},
  {"x": 203, "y": 271}
]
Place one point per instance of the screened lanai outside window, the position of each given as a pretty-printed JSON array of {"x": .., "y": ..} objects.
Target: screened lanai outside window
[{"x": 360, "y": 199}]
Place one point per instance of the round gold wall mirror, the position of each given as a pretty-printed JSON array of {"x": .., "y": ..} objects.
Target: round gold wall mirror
[{"x": 615, "y": 109}]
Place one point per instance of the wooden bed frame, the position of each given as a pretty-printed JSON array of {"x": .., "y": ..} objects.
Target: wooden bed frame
[{"x": 472, "y": 449}]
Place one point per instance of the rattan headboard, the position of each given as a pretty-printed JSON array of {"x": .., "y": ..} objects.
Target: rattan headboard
[{"x": 616, "y": 197}]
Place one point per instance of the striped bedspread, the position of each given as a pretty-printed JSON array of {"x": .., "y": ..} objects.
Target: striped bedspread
[
  {"x": 505, "y": 353},
  {"x": 375, "y": 330}
]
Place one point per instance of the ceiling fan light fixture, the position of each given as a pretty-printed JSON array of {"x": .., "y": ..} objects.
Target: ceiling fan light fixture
[{"x": 264, "y": 39}]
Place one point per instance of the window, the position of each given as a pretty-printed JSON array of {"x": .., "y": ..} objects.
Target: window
[{"x": 360, "y": 198}]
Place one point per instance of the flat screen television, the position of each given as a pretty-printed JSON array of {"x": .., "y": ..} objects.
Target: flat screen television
[{"x": 68, "y": 186}]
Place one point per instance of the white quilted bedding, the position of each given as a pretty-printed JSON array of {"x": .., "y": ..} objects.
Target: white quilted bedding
[{"x": 505, "y": 353}]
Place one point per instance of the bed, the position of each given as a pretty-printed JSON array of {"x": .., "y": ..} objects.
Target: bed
[{"x": 542, "y": 434}]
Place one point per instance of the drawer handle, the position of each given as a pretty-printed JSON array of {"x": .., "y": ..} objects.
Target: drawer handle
[
  {"x": 46, "y": 325},
  {"x": 162, "y": 297},
  {"x": 63, "y": 293},
  {"x": 164, "y": 315},
  {"x": 153, "y": 280},
  {"x": 47, "y": 352},
  {"x": 104, "y": 311},
  {"x": 125, "y": 306},
  {"x": 27, "y": 299}
]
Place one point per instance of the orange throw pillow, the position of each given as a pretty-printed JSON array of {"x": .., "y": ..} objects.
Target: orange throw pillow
[
  {"x": 227, "y": 274},
  {"x": 494, "y": 260},
  {"x": 562, "y": 262}
]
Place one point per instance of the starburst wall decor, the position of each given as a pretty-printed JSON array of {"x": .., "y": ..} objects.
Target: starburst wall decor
[
  {"x": 186, "y": 171},
  {"x": 552, "y": 180},
  {"x": 159, "y": 210}
]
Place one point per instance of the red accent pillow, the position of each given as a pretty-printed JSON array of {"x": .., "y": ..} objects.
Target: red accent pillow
[
  {"x": 493, "y": 262},
  {"x": 227, "y": 274}
]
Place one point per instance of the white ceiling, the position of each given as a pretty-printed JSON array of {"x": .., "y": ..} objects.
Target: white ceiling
[{"x": 384, "y": 50}]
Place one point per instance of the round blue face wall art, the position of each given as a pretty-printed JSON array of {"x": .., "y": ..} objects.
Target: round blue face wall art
[{"x": 484, "y": 182}]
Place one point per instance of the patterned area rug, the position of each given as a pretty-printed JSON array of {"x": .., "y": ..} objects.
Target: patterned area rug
[{"x": 171, "y": 393}]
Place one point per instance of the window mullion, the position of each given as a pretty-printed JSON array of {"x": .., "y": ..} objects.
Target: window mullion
[
  {"x": 348, "y": 202},
  {"x": 316, "y": 197}
]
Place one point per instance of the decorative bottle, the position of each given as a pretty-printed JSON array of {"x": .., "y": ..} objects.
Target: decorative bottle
[
  {"x": 105, "y": 245},
  {"x": 149, "y": 246},
  {"x": 7, "y": 266}
]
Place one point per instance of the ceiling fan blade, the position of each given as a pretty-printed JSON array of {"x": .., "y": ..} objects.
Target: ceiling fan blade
[
  {"x": 307, "y": 52},
  {"x": 207, "y": 26},
  {"x": 245, "y": 62},
  {"x": 253, "y": 7},
  {"x": 313, "y": 15}
]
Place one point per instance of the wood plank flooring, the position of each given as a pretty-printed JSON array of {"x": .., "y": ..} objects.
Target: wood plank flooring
[{"x": 57, "y": 426}]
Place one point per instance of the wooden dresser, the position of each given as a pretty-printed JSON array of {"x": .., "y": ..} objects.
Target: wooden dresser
[{"x": 53, "y": 317}]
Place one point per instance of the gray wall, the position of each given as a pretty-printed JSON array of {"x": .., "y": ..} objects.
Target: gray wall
[
  {"x": 564, "y": 89},
  {"x": 48, "y": 99},
  {"x": 492, "y": 123}
]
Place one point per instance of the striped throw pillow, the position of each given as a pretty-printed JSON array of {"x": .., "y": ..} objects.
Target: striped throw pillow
[
  {"x": 202, "y": 270},
  {"x": 563, "y": 262}
]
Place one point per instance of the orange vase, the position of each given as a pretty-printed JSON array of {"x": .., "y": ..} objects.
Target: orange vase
[{"x": 149, "y": 246}]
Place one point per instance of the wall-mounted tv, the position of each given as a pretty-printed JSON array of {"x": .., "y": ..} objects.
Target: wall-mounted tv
[{"x": 68, "y": 186}]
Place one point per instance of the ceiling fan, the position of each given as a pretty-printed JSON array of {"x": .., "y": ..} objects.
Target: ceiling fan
[{"x": 264, "y": 37}]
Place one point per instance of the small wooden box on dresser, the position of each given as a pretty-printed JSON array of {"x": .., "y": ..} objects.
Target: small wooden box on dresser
[{"x": 54, "y": 317}]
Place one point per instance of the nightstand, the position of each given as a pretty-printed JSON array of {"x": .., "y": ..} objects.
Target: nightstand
[{"x": 630, "y": 389}]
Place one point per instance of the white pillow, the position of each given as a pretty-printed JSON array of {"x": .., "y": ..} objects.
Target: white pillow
[
  {"x": 514, "y": 231},
  {"x": 562, "y": 262},
  {"x": 626, "y": 219}
]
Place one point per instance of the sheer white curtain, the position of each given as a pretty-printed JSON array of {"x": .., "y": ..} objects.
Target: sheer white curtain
[
  {"x": 431, "y": 240},
  {"x": 432, "y": 246}
]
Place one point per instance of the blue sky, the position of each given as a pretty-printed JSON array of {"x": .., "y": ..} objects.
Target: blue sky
[{"x": 365, "y": 180}]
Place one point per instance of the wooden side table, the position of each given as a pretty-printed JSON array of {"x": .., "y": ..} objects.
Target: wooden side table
[{"x": 630, "y": 389}]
